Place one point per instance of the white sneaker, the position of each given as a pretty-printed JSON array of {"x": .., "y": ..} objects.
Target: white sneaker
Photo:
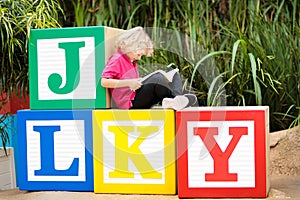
[
  {"x": 177, "y": 103},
  {"x": 192, "y": 99}
]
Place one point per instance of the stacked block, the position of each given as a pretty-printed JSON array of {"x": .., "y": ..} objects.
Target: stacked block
[
  {"x": 65, "y": 66},
  {"x": 223, "y": 152},
  {"x": 134, "y": 151},
  {"x": 69, "y": 140},
  {"x": 55, "y": 150}
]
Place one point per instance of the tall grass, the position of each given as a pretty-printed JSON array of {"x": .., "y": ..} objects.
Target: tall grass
[
  {"x": 3, "y": 132},
  {"x": 16, "y": 20},
  {"x": 252, "y": 47}
]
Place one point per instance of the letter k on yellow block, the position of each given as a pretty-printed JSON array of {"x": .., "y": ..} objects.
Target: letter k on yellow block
[{"x": 134, "y": 151}]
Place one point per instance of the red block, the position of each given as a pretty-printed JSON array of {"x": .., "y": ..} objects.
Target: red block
[{"x": 223, "y": 152}]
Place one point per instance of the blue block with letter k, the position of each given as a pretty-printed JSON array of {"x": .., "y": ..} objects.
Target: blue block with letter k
[{"x": 55, "y": 150}]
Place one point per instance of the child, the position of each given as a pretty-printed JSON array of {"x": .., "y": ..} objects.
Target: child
[{"x": 121, "y": 76}]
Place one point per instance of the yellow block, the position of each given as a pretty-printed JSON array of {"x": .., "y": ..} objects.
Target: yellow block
[{"x": 134, "y": 151}]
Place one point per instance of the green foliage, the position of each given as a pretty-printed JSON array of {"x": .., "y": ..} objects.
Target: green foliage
[
  {"x": 3, "y": 132},
  {"x": 252, "y": 47},
  {"x": 229, "y": 52},
  {"x": 16, "y": 20}
]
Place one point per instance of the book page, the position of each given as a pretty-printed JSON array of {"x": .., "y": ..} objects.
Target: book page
[{"x": 168, "y": 75}]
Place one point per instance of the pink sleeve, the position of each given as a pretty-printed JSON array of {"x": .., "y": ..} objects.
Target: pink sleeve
[{"x": 111, "y": 70}]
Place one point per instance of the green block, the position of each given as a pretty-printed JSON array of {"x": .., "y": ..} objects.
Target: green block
[{"x": 65, "y": 65}]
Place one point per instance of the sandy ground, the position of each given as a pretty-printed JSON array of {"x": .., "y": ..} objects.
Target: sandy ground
[
  {"x": 284, "y": 177},
  {"x": 282, "y": 188}
]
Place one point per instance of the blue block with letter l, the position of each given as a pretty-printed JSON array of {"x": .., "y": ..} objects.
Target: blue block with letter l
[{"x": 55, "y": 150}]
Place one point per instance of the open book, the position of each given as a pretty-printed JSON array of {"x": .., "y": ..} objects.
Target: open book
[{"x": 168, "y": 75}]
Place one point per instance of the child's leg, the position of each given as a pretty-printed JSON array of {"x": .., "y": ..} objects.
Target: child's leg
[
  {"x": 176, "y": 85},
  {"x": 153, "y": 91}
]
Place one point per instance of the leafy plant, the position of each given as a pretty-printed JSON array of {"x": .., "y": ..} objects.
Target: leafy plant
[
  {"x": 252, "y": 47},
  {"x": 3, "y": 132},
  {"x": 16, "y": 20},
  {"x": 230, "y": 52}
]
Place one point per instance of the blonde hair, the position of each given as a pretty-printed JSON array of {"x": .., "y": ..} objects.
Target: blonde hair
[{"x": 135, "y": 40}]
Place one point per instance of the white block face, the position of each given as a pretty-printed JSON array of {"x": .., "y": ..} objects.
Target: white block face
[
  {"x": 52, "y": 59},
  {"x": 241, "y": 160},
  {"x": 151, "y": 147},
  {"x": 69, "y": 144}
]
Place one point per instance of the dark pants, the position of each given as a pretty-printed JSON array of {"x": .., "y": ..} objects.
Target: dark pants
[{"x": 155, "y": 89}]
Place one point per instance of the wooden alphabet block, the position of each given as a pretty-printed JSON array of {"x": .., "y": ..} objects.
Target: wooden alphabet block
[
  {"x": 55, "y": 150},
  {"x": 134, "y": 151},
  {"x": 65, "y": 65},
  {"x": 223, "y": 152}
]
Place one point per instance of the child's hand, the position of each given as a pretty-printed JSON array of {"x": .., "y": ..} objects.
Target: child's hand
[{"x": 135, "y": 84}]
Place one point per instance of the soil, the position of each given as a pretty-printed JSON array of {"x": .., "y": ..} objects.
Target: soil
[
  {"x": 284, "y": 169},
  {"x": 285, "y": 156}
]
